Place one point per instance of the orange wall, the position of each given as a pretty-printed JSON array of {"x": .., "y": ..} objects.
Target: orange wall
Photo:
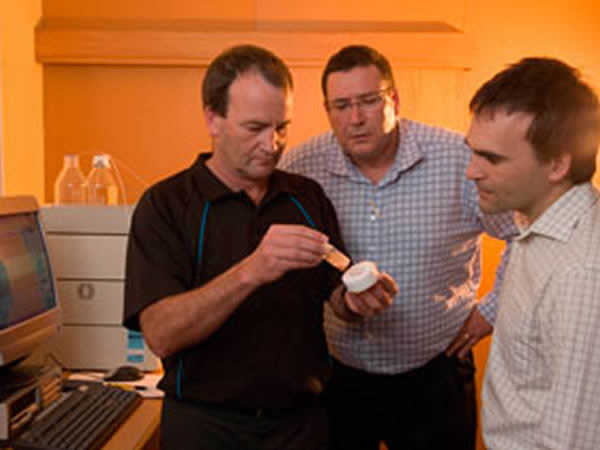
[
  {"x": 150, "y": 9},
  {"x": 506, "y": 31},
  {"x": 354, "y": 10},
  {"x": 21, "y": 100},
  {"x": 149, "y": 119}
]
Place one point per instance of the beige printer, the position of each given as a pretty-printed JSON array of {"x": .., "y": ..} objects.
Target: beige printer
[{"x": 87, "y": 245}]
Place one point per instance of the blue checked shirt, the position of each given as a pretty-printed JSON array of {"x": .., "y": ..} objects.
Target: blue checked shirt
[{"x": 421, "y": 224}]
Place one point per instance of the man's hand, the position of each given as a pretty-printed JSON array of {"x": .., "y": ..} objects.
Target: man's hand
[
  {"x": 284, "y": 248},
  {"x": 373, "y": 300},
  {"x": 473, "y": 330}
]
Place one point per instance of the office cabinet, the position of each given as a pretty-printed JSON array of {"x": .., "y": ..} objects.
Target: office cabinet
[{"x": 87, "y": 246}]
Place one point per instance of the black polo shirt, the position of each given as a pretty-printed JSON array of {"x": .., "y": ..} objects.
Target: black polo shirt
[{"x": 190, "y": 228}]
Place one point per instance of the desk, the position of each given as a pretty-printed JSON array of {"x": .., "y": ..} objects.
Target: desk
[{"x": 141, "y": 429}]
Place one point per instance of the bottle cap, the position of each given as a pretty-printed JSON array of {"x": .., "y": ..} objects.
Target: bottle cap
[
  {"x": 102, "y": 160},
  {"x": 360, "y": 277}
]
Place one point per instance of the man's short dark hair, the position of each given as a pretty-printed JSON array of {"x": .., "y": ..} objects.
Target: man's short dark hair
[
  {"x": 354, "y": 56},
  {"x": 564, "y": 108},
  {"x": 234, "y": 62}
]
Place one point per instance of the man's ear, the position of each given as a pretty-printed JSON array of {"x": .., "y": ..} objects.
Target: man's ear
[
  {"x": 559, "y": 167},
  {"x": 213, "y": 121},
  {"x": 396, "y": 99}
]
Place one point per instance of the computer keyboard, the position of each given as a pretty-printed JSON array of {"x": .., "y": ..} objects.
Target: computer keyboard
[{"x": 82, "y": 420}]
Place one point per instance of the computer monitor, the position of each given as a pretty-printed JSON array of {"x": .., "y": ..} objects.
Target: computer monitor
[{"x": 29, "y": 311}]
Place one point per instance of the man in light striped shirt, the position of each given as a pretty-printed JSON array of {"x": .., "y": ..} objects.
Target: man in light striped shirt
[
  {"x": 403, "y": 201},
  {"x": 534, "y": 137}
]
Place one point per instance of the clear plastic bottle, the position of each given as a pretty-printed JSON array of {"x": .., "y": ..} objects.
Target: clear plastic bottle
[
  {"x": 70, "y": 185},
  {"x": 102, "y": 185}
]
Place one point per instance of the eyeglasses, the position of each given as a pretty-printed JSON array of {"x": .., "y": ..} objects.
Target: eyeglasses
[{"x": 365, "y": 102}]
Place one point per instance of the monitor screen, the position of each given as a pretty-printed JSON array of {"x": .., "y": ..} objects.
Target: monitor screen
[{"x": 28, "y": 304}]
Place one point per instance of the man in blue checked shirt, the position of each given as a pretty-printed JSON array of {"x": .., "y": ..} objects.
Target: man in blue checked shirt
[{"x": 406, "y": 376}]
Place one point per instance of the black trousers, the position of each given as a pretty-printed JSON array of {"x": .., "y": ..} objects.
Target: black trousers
[
  {"x": 432, "y": 407},
  {"x": 189, "y": 426}
]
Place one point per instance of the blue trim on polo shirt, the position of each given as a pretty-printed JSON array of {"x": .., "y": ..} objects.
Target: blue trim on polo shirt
[
  {"x": 303, "y": 211},
  {"x": 201, "y": 233},
  {"x": 198, "y": 260}
]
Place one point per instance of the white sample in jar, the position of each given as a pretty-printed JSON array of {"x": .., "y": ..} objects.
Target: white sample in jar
[{"x": 360, "y": 276}]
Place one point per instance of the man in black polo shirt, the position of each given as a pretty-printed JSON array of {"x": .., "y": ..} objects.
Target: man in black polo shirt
[{"x": 226, "y": 279}]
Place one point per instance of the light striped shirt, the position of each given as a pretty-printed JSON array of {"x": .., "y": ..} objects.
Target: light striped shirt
[
  {"x": 421, "y": 224},
  {"x": 542, "y": 385}
]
